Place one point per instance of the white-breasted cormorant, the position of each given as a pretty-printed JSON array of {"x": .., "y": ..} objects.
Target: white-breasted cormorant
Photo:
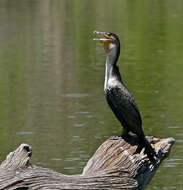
[{"x": 119, "y": 98}]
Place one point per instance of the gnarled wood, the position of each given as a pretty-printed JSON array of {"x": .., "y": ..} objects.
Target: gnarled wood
[{"x": 115, "y": 165}]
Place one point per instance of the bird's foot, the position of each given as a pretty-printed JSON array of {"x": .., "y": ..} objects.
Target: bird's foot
[
  {"x": 123, "y": 136},
  {"x": 115, "y": 137},
  {"x": 126, "y": 136}
]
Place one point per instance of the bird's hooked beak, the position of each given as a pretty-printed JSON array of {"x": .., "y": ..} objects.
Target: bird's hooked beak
[{"x": 104, "y": 41}]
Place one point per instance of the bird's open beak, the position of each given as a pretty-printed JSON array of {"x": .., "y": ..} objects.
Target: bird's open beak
[{"x": 104, "y": 41}]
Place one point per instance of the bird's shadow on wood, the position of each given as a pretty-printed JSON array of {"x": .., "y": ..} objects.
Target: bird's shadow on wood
[{"x": 132, "y": 140}]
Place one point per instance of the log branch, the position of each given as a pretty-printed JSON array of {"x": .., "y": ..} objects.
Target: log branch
[{"x": 115, "y": 165}]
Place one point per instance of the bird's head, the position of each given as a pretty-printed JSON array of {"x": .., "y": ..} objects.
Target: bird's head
[{"x": 111, "y": 44}]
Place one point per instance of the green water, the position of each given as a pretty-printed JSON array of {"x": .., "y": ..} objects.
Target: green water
[{"x": 52, "y": 74}]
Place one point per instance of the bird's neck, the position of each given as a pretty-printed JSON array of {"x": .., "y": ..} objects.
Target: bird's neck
[{"x": 110, "y": 68}]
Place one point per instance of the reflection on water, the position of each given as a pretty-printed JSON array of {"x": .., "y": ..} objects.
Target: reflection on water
[{"x": 52, "y": 73}]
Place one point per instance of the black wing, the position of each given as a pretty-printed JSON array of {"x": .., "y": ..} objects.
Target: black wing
[{"x": 124, "y": 107}]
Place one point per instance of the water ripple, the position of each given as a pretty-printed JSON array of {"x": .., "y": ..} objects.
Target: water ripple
[
  {"x": 75, "y": 95},
  {"x": 24, "y": 133}
]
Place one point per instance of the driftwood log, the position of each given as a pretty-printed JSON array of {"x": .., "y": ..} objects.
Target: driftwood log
[{"x": 115, "y": 165}]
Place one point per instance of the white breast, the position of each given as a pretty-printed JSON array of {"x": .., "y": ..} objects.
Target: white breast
[{"x": 107, "y": 74}]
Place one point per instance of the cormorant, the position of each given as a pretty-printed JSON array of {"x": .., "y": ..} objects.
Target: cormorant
[{"x": 119, "y": 98}]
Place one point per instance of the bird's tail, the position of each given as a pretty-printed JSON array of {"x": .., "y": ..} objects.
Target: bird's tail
[{"x": 149, "y": 150}]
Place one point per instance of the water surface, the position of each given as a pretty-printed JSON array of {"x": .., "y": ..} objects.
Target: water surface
[{"x": 52, "y": 74}]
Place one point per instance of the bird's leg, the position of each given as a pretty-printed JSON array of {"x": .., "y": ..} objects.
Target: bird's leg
[
  {"x": 115, "y": 137},
  {"x": 125, "y": 134}
]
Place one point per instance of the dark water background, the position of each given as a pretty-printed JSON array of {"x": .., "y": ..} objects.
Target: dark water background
[{"x": 52, "y": 73}]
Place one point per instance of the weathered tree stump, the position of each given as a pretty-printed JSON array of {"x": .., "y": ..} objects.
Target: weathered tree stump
[{"x": 115, "y": 165}]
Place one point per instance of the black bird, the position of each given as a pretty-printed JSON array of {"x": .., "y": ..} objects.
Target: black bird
[{"x": 119, "y": 98}]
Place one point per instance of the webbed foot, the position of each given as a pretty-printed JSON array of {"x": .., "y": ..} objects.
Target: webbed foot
[{"x": 125, "y": 136}]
